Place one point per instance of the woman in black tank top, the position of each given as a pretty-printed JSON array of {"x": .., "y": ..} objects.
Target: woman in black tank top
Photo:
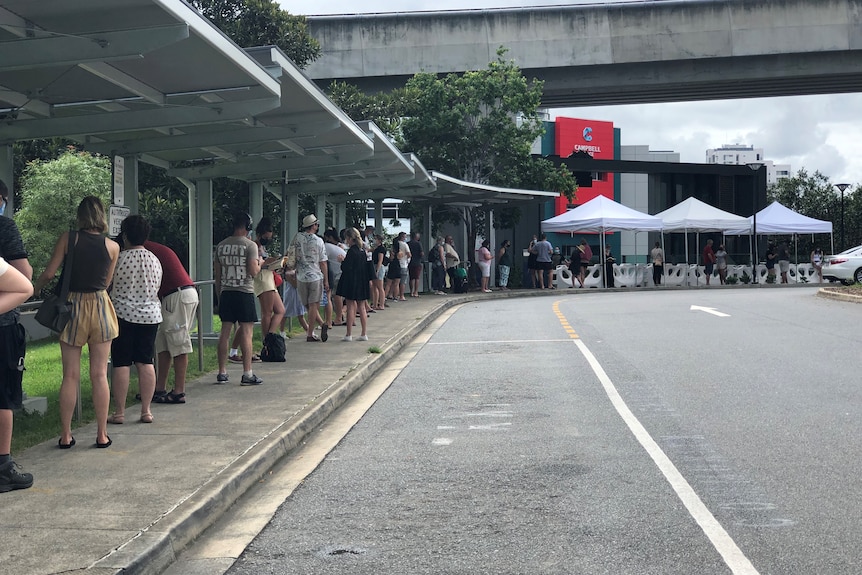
[{"x": 93, "y": 321}]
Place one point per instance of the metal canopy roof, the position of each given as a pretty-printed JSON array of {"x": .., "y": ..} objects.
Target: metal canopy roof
[
  {"x": 453, "y": 191},
  {"x": 386, "y": 173},
  {"x": 307, "y": 135},
  {"x": 77, "y": 69},
  {"x": 153, "y": 78}
]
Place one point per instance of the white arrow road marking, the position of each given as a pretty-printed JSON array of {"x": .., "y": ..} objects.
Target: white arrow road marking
[{"x": 710, "y": 310}]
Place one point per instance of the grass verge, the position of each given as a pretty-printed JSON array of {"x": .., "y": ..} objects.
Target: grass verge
[{"x": 44, "y": 372}]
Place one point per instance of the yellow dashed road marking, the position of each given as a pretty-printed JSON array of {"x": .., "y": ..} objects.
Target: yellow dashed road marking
[{"x": 564, "y": 322}]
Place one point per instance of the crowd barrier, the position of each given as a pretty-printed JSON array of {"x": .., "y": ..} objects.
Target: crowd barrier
[{"x": 640, "y": 275}]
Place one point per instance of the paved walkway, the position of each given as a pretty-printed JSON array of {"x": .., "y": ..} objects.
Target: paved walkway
[{"x": 132, "y": 508}]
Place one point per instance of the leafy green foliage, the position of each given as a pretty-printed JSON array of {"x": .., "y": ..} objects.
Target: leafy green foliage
[
  {"x": 262, "y": 23},
  {"x": 815, "y": 196},
  {"x": 51, "y": 191},
  {"x": 25, "y": 151},
  {"x": 479, "y": 127},
  {"x": 386, "y": 109}
]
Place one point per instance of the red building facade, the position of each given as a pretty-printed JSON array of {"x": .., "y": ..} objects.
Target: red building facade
[{"x": 594, "y": 137}]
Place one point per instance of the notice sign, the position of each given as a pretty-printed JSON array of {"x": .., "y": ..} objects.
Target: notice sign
[
  {"x": 119, "y": 180},
  {"x": 116, "y": 215}
]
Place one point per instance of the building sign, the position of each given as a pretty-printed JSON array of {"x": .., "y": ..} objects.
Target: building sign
[
  {"x": 578, "y": 135},
  {"x": 594, "y": 137},
  {"x": 119, "y": 180}
]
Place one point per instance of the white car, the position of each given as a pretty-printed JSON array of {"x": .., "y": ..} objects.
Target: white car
[{"x": 845, "y": 267}]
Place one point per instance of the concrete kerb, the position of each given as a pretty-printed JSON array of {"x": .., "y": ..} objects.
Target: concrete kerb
[
  {"x": 153, "y": 549},
  {"x": 836, "y": 295}
]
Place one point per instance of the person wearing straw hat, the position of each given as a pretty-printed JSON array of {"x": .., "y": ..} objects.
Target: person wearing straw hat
[{"x": 312, "y": 274}]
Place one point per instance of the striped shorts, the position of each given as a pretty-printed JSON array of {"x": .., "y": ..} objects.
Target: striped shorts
[{"x": 93, "y": 319}]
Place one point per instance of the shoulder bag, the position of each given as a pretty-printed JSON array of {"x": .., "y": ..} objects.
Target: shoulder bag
[{"x": 56, "y": 310}]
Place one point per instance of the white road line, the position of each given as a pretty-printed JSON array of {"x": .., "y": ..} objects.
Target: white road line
[
  {"x": 721, "y": 540},
  {"x": 486, "y": 342}
]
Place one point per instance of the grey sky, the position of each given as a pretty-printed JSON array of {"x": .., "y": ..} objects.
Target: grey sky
[{"x": 811, "y": 132}]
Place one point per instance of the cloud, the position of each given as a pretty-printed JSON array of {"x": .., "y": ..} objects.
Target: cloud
[{"x": 811, "y": 132}]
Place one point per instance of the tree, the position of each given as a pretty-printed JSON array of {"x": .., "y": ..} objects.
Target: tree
[
  {"x": 262, "y": 23},
  {"x": 51, "y": 191},
  {"x": 813, "y": 196},
  {"x": 816, "y": 197},
  {"x": 386, "y": 109},
  {"x": 479, "y": 127}
]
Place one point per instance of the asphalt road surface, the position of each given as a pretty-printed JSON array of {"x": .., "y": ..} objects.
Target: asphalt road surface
[{"x": 618, "y": 433}]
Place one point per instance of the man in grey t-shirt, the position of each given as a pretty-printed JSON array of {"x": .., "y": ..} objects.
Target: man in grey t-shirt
[
  {"x": 543, "y": 250},
  {"x": 236, "y": 263}
]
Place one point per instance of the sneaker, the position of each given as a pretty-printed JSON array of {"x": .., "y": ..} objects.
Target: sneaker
[
  {"x": 250, "y": 380},
  {"x": 347, "y": 338},
  {"x": 11, "y": 478},
  {"x": 362, "y": 338},
  {"x": 324, "y": 332},
  {"x": 235, "y": 359},
  {"x": 221, "y": 378}
]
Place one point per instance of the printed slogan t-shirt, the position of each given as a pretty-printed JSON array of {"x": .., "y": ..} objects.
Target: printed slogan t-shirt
[{"x": 233, "y": 253}]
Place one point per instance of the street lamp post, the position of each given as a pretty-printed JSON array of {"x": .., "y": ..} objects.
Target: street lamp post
[
  {"x": 754, "y": 166},
  {"x": 842, "y": 187}
]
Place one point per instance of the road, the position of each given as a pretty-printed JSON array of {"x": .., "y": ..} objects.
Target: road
[{"x": 598, "y": 433}]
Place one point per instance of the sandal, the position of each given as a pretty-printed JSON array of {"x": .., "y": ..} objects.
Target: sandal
[
  {"x": 171, "y": 397},
  {"x": 146, "y": 417},
  {"x": 117, "y": 418}
]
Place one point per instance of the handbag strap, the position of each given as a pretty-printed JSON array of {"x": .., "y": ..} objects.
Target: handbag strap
[{"x": 67, "y": 266}]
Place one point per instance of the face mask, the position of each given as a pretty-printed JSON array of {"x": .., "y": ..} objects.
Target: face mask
[{"x": 265, "y": 241}]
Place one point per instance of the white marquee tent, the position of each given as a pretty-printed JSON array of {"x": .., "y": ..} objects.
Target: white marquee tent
[
  {"x": 693, "y": 215},
  {"x": 602, "y": 214},
  {"x": 779, "y": 219}
]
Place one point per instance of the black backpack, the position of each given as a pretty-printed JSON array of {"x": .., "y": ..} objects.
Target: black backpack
[{"x": 274, "y": 348}]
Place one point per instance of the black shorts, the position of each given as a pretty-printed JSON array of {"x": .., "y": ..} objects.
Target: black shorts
[
  {"x": 415, "y": 272},
  {"x": 13, "y": 345},
  {"x": 394, "y": 271},
  {"x": 135, "y": 344},
  {"x": 236, "y": 306},
  {"x": 545, "y": 266},
  {"x": 707, "y": 269}
]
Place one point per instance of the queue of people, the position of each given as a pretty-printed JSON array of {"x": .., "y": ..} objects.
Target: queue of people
[{"x": 134, "y": 302}]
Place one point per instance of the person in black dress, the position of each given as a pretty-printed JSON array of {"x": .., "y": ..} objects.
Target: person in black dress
[{"x": 353, "y": 286}]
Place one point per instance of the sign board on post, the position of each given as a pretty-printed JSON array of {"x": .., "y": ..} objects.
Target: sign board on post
[
  {"x": 119, "y": 180},
  {"x": 116, "y": 215}
]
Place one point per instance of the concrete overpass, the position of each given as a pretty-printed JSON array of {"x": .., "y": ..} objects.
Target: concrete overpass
[{"x": 614, "y": 53}]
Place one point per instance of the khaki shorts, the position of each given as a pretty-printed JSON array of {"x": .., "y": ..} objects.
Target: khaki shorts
[
  {"x": 178, "y": 317},
  {"x": 93, "y": 319},
  {"x": 310, "y": 292}
]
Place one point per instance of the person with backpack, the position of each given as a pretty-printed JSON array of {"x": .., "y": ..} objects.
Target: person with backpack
[
  {"x": 452, "y": 262},
  {"x": 437, "y": 259}
]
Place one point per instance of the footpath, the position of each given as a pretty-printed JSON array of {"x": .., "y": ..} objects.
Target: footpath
[{"x": 132, "y": 508}]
